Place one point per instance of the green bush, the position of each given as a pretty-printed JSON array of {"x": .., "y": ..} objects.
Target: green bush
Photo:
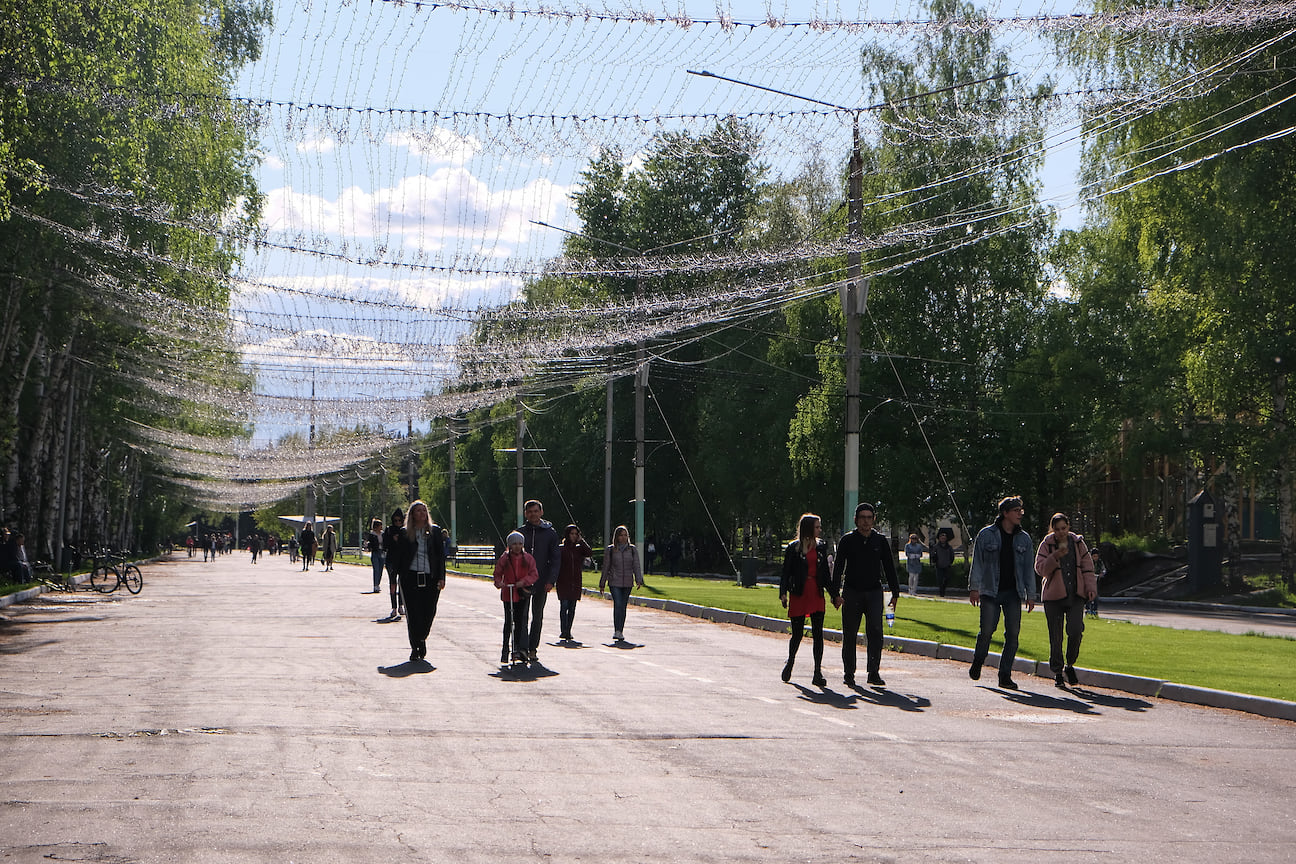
[{"x": 1139, "y": 543}]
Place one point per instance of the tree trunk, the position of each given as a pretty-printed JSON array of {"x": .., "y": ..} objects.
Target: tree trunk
[
  {"x": 1286, "y": 519},
  {"x": 1229, "y": 494}
]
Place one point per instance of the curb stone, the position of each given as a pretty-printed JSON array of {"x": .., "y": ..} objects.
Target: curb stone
[{"x": 1261, "y": 705}]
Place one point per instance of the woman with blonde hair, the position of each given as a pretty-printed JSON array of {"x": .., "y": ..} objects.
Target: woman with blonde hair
[
  {"x": 806, "y": 573},
  {"x": 621, "y": 573},
  {"x": 420, "y": 562}
]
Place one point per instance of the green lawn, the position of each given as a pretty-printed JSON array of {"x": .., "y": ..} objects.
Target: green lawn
[{"x": 1259, "y": 665}]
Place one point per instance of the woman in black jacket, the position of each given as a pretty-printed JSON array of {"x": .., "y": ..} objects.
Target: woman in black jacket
[
  {"x": 806, "y": 574},
  {"x": 419, "y": 550}
]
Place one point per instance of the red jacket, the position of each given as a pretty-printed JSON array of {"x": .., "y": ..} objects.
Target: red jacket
[{"x": 514, "y": 573}]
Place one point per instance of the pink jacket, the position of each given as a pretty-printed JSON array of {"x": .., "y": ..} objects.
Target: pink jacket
[
  {"x": 512, "y": 576},
  {"x": 1051, "y": 571}
]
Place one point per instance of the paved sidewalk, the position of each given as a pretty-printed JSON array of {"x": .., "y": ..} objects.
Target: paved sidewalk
[{"x": 236, "y": 713}]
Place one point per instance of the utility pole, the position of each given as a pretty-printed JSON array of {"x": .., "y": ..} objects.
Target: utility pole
[
  {"x": 607, "y": 468},
  {"x": 521, "y": 451},
  {"x": 854, "y": 294},
  {"x": 854, "y": 297},
  {"x": 454, "y": 513}
]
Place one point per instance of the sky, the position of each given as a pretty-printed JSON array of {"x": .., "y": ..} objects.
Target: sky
[{"x": 409, "y": 151}]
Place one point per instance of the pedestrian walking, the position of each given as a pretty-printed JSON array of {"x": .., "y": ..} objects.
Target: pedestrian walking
[
  {"x": 914, "y": 550},
  {"x": 307, "y": 543},
  {"x": 864, "y": 558},
  {"x": 621, "y": 573},
  {"x": 806, "y": 573},
  {"x": 292, "y": 550},
  {"x": 515, "y": 576},
  {"x": 420, "y": 560},
  {"x": 541, "y": 540},
  {"x": 942, "y": 558},
  {"x": 1002, "y": 576},
  {"x": 571, "y": 569},
  {"x": 329, "y": 547},
  {"x": 254, "y": 546},
  {"x": 1066, "y": 567},
  {"x": 373, "y": 542},
  {"x": 389, "y": 536}
]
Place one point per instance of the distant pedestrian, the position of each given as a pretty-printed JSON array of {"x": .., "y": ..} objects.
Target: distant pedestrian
[
  {"x": 189, "y": 544},
  {"x": 914, "y": 550},
  {"x": 292, "y": 550},
  {"x": 254, "y": 546},
  {"x": 1065, "y": 564},
  {"x": 673, "y": 550},
  {"x": 1000, "y": 579},
  {"x": 389, "y": 536},
  {"x": 373, "y": 542},
  {"x": 806, "y": 573},
  {"x": 328, "y": 547},
  {"x": 571, "y": 570},
  {"x": 420, "y": 560},
  {"x": 621, "y": 573},
  {"x": 515, "y": 576},
  {"x": 942, "y": 558},
  {"x": 307, "y": 543}
]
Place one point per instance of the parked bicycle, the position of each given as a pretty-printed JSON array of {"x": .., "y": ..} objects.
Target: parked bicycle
[{"x": 111, "y": 570}]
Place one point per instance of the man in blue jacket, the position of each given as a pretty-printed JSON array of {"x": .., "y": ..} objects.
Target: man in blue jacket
[
  {"x": 1001, "y": 577},
  {"x": 541, "y": 540}
]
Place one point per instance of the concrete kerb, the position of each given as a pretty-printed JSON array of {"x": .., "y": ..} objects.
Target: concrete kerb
[{"x": 1263, "y": 706}]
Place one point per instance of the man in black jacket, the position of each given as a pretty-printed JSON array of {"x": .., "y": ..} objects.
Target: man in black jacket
[
  {"x": 541, "y": 540},
  {"x": 863, "y": 556}
]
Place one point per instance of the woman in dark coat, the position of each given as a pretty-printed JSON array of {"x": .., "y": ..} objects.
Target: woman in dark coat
[
  {"x": 420, "y": 561},
  {"x": 571, "y": 567},
  {"x": 806, "y": 573}
]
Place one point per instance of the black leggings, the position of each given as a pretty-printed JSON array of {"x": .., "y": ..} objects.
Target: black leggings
[{"x": 816, "y": 633}]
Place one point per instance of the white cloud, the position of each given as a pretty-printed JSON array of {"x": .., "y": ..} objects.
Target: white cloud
[
  {"x": 317, "y": 145},
  {"x": 443, "y": 145},
  {"x": 448, "y": 208}
]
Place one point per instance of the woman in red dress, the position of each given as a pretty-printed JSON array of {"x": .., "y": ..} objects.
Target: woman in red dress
[{"x": 806, "y": 574}]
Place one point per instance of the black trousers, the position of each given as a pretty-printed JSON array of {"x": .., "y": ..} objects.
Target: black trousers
[
  {"x": 537, "y": 615},
  {"x": 420, "y": 605},
  {"x": 1060, "y": 613},
  {"x": 515, "y": 624},
  {"x": 865, "y": 606}
]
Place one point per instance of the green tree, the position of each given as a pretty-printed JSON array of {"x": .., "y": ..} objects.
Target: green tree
[{"x": 1197, "y": 200}]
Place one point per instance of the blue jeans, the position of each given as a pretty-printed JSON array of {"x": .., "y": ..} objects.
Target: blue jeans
[
  {"x": 990, "y": 611},
  {"x": 377, "y": 560},
  {"x": 620, "y": 600}
]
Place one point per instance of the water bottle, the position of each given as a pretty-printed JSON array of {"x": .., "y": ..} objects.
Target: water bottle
[{"x": 890, "y": 617}]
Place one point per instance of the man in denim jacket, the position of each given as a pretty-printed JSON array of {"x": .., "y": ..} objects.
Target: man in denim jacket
[{"x": 1002, "y": 575}]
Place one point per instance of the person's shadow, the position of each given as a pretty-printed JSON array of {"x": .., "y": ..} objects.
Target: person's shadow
[
  {"x": 406, "y": 669},
  {"x": 826, "y": 696},
  {"x": 1044, "y": 701},
  {"x": 883, "y": 697},
  {"x": 1125, "y": 703},
  {"x": 623, "y": 645},
  {"x": 533, "y": 671}
]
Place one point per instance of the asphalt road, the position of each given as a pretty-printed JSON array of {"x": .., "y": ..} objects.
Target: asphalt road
[{"x": 235, "y": 713}]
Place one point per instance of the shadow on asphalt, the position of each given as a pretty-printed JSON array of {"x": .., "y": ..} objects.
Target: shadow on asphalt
[
  {"x": 1106, "y": 700},
  {"x": 884, "y": 698},
  {"x": 533, "y": 672},
  {"x": 623, "y": 645},
  {"x": 1043, "y": 701},
  {"x": 572, "y": 644},
  {"x": 878, "y": 697},
  {"x": 408, "y": 668}
]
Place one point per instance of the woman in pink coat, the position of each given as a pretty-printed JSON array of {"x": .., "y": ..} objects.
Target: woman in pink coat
[
  {"x": 1064, "y": 563},
  {"x": 515, "y": 573}
]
